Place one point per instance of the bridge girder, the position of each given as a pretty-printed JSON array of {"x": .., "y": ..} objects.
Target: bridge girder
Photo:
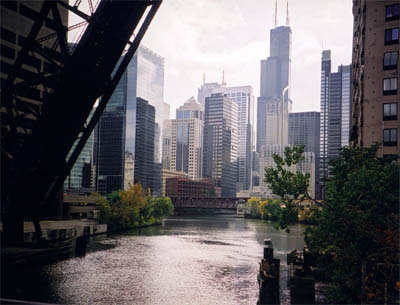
[
  {"x": 206, "y": 202},
  {"x": 35, "y": 165}
]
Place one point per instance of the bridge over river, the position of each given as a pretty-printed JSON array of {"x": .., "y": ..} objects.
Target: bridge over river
[{"x": 206, "y": 202}]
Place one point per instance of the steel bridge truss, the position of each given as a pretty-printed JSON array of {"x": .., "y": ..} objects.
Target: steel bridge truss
[
  {"x": 206, "y": 202},
  {"x": 59, "y": 99}
]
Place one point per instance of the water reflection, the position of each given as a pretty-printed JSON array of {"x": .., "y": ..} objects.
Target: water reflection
[{"x": 189, "y": 260}]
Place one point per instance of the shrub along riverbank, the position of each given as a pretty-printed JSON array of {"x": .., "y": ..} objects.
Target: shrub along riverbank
[
  {"x": 272, "y": 209},
  {"x": 122, "y": 210}
]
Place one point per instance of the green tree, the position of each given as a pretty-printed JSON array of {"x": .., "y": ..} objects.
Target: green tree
[
  {"x": 291, "y": 186},
  {"x": 270, "y": 209},
  {"x": 358, "y": 227},
  {"x": 252, "y": 206}
]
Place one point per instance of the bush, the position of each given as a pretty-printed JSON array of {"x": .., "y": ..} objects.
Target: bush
[{"x": 123, "y": 210}]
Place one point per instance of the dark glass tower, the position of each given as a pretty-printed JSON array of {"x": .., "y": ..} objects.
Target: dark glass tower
[
  {"x": 144, "y": 145},
  {"x": 275, "y": 89}
]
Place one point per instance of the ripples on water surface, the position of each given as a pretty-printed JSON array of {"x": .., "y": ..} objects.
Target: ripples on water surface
[{"x": 189, "y": 260}]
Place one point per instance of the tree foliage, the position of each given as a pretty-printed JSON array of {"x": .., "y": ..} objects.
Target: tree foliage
[
  {"x": 252, "y": 205},
  {"x": 358, "y": 227},
  {"x": 270, "y": 209},
  {"x": 356, "y": 238},
  {"x": 288, "y": 184},
  {"x": 127, "y": 209}
]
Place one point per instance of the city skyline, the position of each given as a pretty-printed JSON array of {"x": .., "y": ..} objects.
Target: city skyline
[
  {"x": 236, "y": 45},
  {"x": 194, "y": 48}
]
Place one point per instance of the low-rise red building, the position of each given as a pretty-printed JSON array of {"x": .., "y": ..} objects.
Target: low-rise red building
[{"x": 184, "y": 187}]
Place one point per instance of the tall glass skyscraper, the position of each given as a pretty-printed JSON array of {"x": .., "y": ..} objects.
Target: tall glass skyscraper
[
  {"x": 274, "y": 102},
  {"x": 325, "y": 72},
  {"x": 144, "y": 151},
  {"x": 335, "y": 112},
  {"x": 144, "y": 78}
]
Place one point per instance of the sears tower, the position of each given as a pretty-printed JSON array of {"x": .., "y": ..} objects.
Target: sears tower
[{"x": 274, "y": 102}]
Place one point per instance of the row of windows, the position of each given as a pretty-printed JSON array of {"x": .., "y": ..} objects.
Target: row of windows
[{"x": 390, "y": 85}]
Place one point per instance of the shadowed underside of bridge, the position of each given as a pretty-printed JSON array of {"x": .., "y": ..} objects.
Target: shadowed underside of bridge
[
  {"x": 206, "y": 202},
  {"x": 36, "y": 161}
]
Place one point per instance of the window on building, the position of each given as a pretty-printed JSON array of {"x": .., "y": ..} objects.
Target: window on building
[
  {"x": 390, "y": 111},
  {"x": 390, "y": 137},
  {"x": 390, "y": 86},
  {"x": 392, "y": 12},
  {"x": 391, "y": 36},
  {"x": 390, "y": 60}
]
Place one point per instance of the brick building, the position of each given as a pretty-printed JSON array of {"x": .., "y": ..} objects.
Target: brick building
[{"x": 375, "y": 77}]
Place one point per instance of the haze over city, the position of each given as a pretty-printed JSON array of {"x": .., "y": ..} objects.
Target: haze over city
[
  {"x": 197, "y": 37},
  {"x": 233, "y": 35}
]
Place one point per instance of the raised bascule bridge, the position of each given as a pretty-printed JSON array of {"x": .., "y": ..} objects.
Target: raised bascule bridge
[{"x": 45, "y": 110}]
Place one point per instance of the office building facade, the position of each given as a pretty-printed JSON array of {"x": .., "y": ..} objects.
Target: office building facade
[
  {"x": 220, "y": 142},
  {"x": 143, "y": 78},
  {"x": 187, "y": 139},
  {"x": 335, "y": 113},
  {"x": 304, "y": 130},
  {"x": 244, "y": 98},
  {"x": 375, "y": 77},
  {"x": 145, "y": 166}
]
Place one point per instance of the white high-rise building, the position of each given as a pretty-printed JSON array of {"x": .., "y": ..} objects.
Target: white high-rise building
[
  {"x": 244, "y": 98},
  {"x": 187, "y": 139}
]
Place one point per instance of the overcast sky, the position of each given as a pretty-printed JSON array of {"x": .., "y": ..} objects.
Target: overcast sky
[
  {"x": 233, "y": 35},
  {"x": 196, "y": 36}
]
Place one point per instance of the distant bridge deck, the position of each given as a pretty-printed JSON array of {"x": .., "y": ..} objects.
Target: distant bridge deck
[{"x": 207, "y": 202}]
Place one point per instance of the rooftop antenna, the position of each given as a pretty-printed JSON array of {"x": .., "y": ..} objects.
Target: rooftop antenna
[
  {"x": 204, "y": 78},
  {"x": 223, "y": 77},
  {"x": 287, "y": 12},
  {"x": 276, "y": 13}
]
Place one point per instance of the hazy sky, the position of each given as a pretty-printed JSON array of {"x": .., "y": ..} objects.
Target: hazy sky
[
  {"x": 211, "y": 35},
  {"x": 196, "y": 36}
]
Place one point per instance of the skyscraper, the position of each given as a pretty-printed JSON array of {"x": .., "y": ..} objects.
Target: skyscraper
[
  {"x": 338, "y": 111},
  {"x": 335, "y": 113},
  {"x": 220, "y": 142},
  {"x": 274, "y": 102},
  {"x": 244, "y": 98},
  {"x": 187, "y": 139},
  {"x": 144, "y": 145},
  {"x": 144, "y": 78},
  {"x": 206, "y": 90},
  {"x": 375, "y": 75},
  {"x": 325, "y": 72},
  {"x": 304, "y": 130}
]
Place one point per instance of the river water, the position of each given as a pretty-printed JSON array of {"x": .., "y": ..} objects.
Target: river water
[{"x": 196, "y": 260}]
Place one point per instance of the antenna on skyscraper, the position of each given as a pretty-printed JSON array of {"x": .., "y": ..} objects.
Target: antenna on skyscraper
[
  {"x": 223, "y": 78},
  {"x": 276, "y": 13},
  {"x": 204, "y": 78},
  {"x": 287, "y": 12}
]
